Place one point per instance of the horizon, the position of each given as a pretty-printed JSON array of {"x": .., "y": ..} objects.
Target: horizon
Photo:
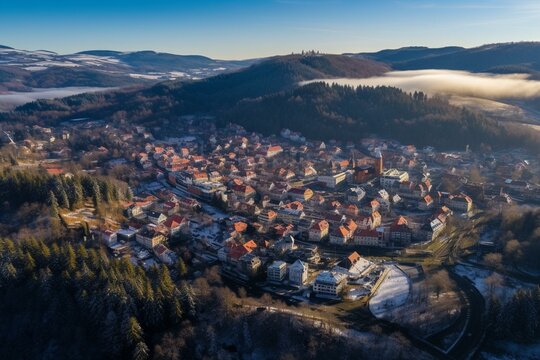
[
  {"x": 270, "y": 55},
  {"x": 218, "y": 29}
]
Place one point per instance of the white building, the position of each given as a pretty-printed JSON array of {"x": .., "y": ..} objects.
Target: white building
[
  {"x": 392, "y": 176},
  {"x": 277, "y": 271},
  {"x": 333, "y": 180},
  {"x": 329, "y": 284},
  {"x": 298, "y": 273}
]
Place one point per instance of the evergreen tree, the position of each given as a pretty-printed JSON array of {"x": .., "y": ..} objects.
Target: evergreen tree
[
  {"x": 96, "y": 195},
  {"x": 181, "y": 267},
  {"x": 141, "y": 351},
  {"x": 134, "y": 333},
  {"x": 78, "y": 194},
  {"x": 53, "y": 204}
]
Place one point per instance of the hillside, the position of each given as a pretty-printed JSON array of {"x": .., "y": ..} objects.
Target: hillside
[
  {"x": 321, "y": 111},
  {"x": 265, "y": 97},
  {"x": 210, "y": 95},
  {"x": 22, "y": 70},
  {"x": 409, "y": 53}
]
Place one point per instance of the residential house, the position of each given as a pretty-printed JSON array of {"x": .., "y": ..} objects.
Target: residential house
[
  {"x": 300, "y": 194},
  {"x": 329, "y": 284},
  {"x": 426, "y": 203},
  {"x": 400, "y": 233},
  {"x": 149, "y": 237},
  {"x": 277, "y": 271},
  {"x": 164, "y": 254},
  {"x": 298, "y": 273},
  {"x": 177, "y": 224},
  {"x": 156, "y": 217},
  {"x": 340, "y": 236},
  {"x": 369, "y": 237},
  {"x": 319, "y": 231}
]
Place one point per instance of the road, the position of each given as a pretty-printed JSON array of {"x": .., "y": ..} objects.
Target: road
[{"x": 474, "y": 331}]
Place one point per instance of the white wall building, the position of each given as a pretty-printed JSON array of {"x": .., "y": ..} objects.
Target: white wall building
[
  {"x": 329, "y": 284},
  {"x": 393, "y": 176},
  {"x": 277, "y": 271},
  {"x": 298, "y": 272}
]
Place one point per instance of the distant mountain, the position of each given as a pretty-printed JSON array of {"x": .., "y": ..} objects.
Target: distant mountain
[
  {"x": 392, "y": 56},
  {"x": 505, "y": 57},
  {"x": 21, "y": 70}
]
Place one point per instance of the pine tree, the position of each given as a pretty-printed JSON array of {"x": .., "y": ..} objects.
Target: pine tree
[
  {"x": 8, "y": 273},
  {"x": 141, "y": 351},
  {"x": 188, "y": 298},
  {"x": 133, "y": 331},
  {"x": 96, "y": 194},
  {"x": 106, "y": 191},
  {"x": 77, "y": 194},
  {"x": 64, "y": 201},
  {"x": 165, "y": 282},
  {"x": 181, "y": 267},
  {"x": 53, "y": 204}
]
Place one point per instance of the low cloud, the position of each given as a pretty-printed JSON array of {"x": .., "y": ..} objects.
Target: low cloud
[
  {"x": 461, "y": 83},
  {"x": 10, "y": 100}
]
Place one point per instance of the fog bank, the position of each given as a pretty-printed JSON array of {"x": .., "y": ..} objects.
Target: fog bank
[
  {"x": 462, "y": 83},
  {"x": 10, "y": 100}
]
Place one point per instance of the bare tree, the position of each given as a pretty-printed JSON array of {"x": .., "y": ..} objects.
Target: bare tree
[
  {"x": 440, "y": 282},
  {"x": 493, "y": 260}
]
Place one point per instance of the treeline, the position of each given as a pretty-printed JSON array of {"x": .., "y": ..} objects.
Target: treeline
[
  {"x": 70, "y": 192},
  {"x": 323, "y": 111},
  {"x": 518, "y": 319},
  {"x": 65, "y": 302}
]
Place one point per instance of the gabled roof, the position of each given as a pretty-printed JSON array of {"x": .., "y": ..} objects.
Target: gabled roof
[
  {"x": 320, "y": 225},
  {"x": 174, "y": 221}
]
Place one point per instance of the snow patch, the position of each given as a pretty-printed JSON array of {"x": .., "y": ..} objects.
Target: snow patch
[{"x": 392, "y": 293}]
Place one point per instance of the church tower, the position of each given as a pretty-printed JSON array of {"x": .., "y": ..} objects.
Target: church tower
[{"x": 379, "y": 165}]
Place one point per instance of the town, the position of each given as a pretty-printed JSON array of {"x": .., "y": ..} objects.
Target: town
[{"x": 301, "y": 219}]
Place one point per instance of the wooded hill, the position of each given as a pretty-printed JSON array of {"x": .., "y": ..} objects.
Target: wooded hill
[{"x": 266, "y": 97}]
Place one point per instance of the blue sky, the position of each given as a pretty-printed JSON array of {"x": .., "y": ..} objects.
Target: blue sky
[{"x": 251, "y": 28}]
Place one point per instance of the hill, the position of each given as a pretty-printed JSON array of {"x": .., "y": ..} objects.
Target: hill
[
  {"x": 26, "y": 69},
  {"x": 211, "y": 95},
  {"x": 524, "y": 56},
  {"x": 265, "y": 97},
  {"x": 322, "y": 111},
  {"x": 409, "y": 53}
]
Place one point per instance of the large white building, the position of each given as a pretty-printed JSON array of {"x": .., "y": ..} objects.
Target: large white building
[
  {"x": 277, "y": 271},
  {"x": 298, "y": 273},
  {"x": 333, "y": 180},
  {"x": 392, "y": 176},
  {"x": 329, "y": 284}
]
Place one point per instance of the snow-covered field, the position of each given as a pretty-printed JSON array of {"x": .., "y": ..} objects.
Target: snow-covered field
[
  {"x": 392, "y": 293},
  {"x": 11, "y": 100}
]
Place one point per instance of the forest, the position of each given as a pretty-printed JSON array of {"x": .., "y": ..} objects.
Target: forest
[
  {"x": 69, "y": 192},
  {"x": 518, "y": 319},
  {"x": 73, "y": 302},
  {"x": 322, "y": 111}
]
